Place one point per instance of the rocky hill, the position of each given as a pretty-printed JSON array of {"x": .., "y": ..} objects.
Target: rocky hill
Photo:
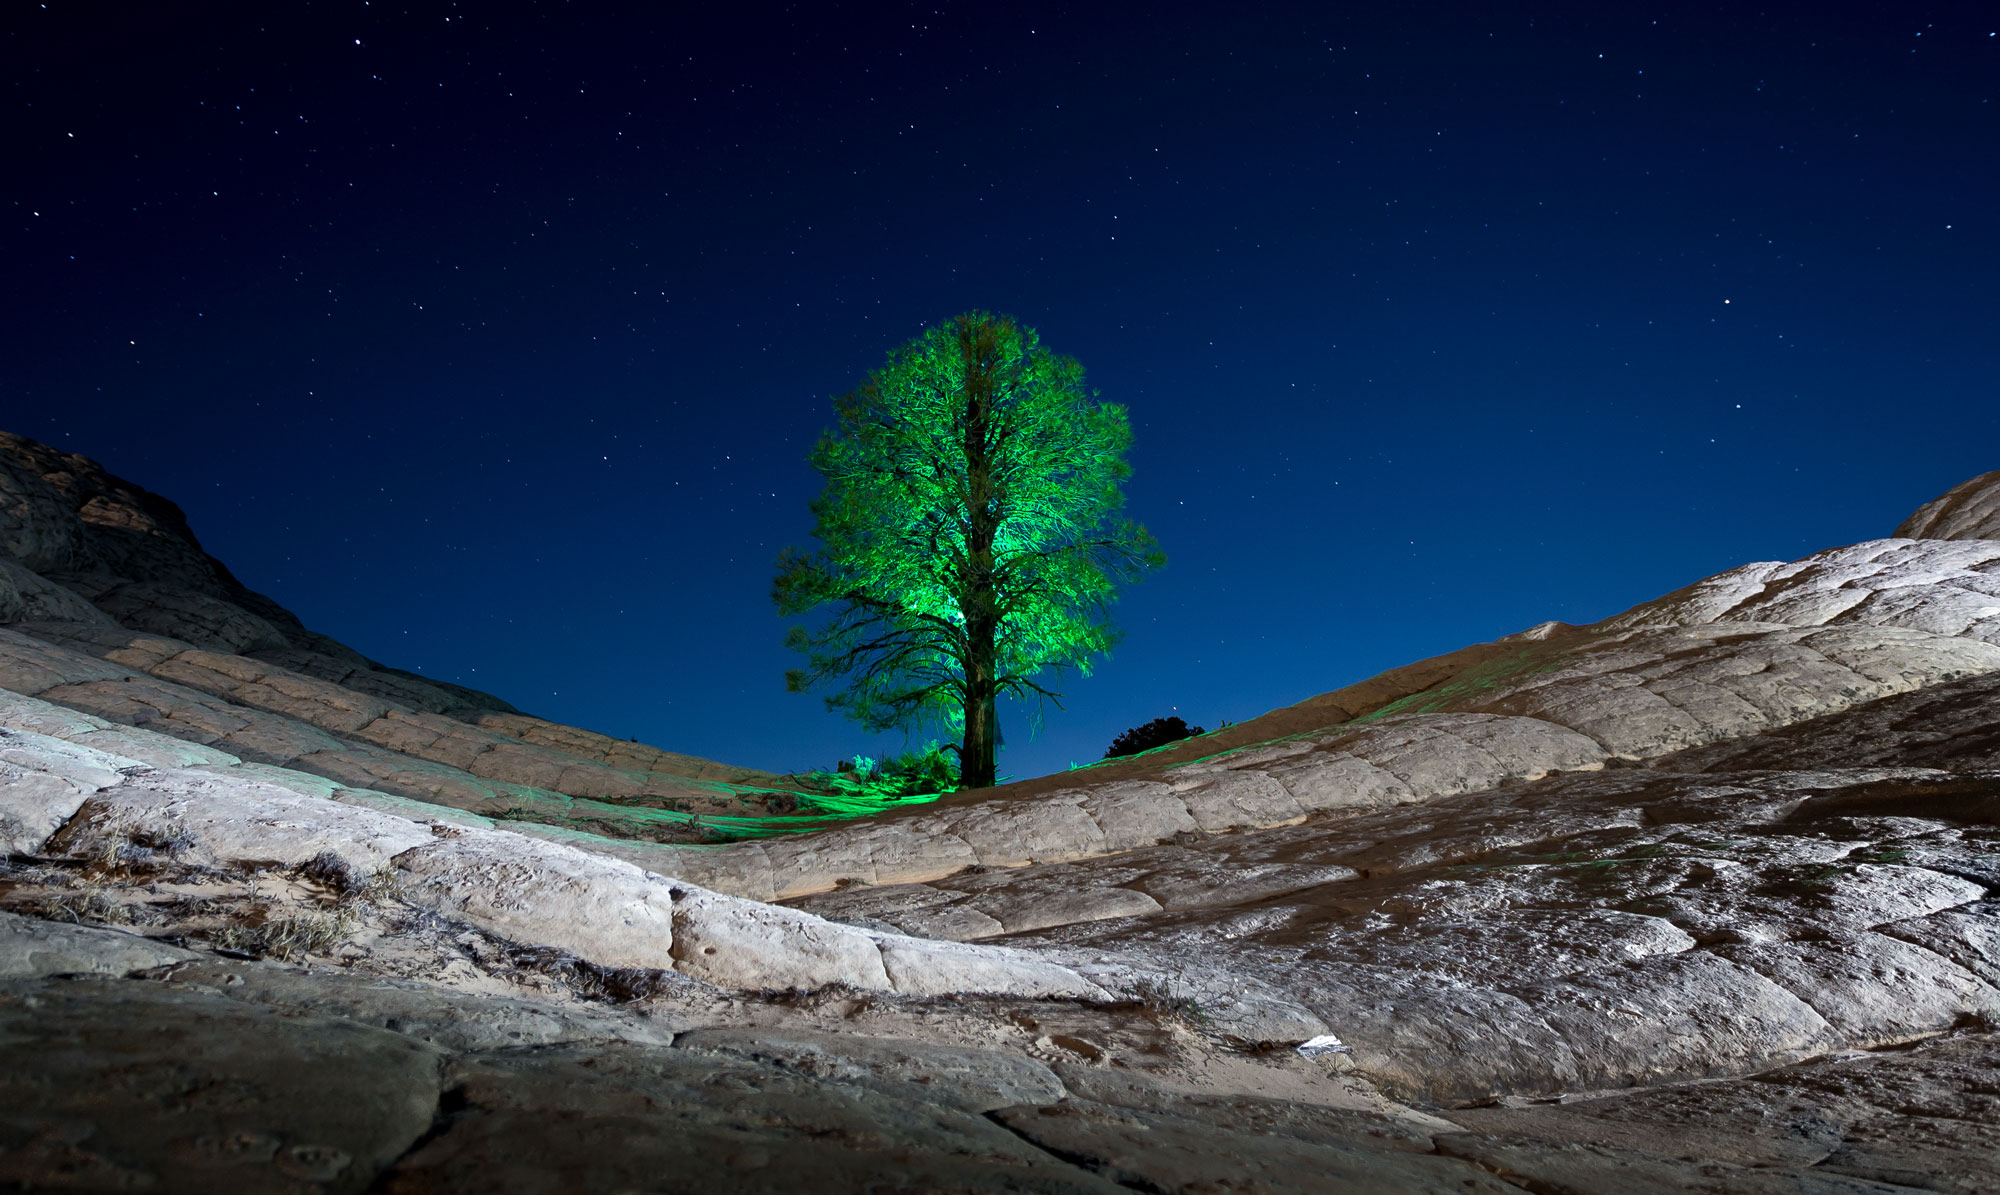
[
  {"x": 113, "y": 610},
  {"x": 1697, "y": 898}
]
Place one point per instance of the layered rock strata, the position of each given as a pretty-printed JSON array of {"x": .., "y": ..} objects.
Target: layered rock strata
[
  {"x": 1751, "y": 650},
  {"x": 1697, "y": 898},
  {"x": 113, "y": 609}
]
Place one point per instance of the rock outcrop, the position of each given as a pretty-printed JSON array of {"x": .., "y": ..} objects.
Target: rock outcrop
[
  {"x": 1702, "y": 897},
  {"x": 114, "y": 609},
  {"x": 1755, "y": 649},
  {"x": 1968, "y": 510}
]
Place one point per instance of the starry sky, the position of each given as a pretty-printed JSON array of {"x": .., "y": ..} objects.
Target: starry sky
[{"x": 490, "y": 338}]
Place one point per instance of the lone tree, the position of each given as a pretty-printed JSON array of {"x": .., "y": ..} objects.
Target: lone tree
[{"x": 970, "y": 535}]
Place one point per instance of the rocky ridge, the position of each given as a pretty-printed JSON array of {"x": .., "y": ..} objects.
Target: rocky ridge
[
  {"x": 116, "y": 611},
  {"x": 1697, "y": 898}
]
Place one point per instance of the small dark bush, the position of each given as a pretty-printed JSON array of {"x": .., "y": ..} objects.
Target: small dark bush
[
  {"x": 173, "y": 842},
  {"x": 1159, "y": 997},
  {"x": 346, "y": 881},
  {"x": 1157, "y": 733},
  {"x": 334, "y": 872},
  {"x": 133, "y": 857}
]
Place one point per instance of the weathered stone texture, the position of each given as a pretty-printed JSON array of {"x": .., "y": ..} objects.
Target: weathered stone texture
[
  {"x": 1634, "y": 906},
  {"x": 1968, "y": 510}
]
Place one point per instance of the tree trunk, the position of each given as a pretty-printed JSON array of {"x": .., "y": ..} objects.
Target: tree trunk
[{"x": 978, "y": 760}]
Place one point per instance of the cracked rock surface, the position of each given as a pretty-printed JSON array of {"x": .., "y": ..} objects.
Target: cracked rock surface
[{"x": 1704, "y": 897}]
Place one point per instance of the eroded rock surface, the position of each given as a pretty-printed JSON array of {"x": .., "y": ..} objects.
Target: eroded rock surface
[
  {"x": 1969, "y": 510},
  {"x": 1703, "y": 897},
  {"x": 113, "y": 609}
]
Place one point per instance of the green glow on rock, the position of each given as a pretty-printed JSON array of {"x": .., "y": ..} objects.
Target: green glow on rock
[{"x": 970, "y": 535}]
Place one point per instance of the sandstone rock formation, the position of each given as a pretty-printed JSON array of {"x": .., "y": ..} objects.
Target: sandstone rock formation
[
  {"x": 1701, "y": 897},
  {"x": 115, "y": 610},
  {"x": 1969, "y": 510}
]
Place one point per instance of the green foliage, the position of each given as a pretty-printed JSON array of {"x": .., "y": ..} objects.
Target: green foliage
[
  {"x": 970, "y": 535},
  {"x": 1157, "y": 733},
  {"x": 929, "y": 772}
]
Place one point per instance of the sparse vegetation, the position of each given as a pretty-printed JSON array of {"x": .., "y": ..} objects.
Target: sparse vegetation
[
  {"x": 173, "y": 843},
  {"x": 87, "y": 905},
  {"x": 331, "y": 871},
  {"x": 344, "y": 880},
  {"x": 131, "y": 850},
  {"x": 929, "y": 772},
  {"x": 611, "y": 985},
  {"x": 1480, "y": 678},
  {"x": 1826, "y": 875},
  {"x": 1159, "y": 997},
  {"x": 1157, "y": 733},
  {"x": 291, "y": 938}
]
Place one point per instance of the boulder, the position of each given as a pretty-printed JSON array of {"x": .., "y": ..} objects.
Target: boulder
[
  {"x": 43, "y": 782},
  {"x": 542, "y": 894}
]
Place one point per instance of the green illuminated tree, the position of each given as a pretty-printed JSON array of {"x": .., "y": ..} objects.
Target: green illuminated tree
[{"x": 970, "y": 535}]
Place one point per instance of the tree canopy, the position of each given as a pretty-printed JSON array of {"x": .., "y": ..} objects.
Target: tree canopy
[
  {"x": 1157, "y": 733},
  {"x": 970, "y": 535}
]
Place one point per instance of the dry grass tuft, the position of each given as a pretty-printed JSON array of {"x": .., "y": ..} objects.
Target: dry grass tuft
[
  {"x": 292, "y": 938},
  {"x": 87, "y": 905}
]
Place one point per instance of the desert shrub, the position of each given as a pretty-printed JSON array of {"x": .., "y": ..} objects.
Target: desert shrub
[
  {"x": 174, "y": 842},
  {"x": 343, "y": 879},
  {"x": 331, "y": 871},
  {"x": 1157, "y": 733},
  {"x": 131, "y": 856},
  {"x": 1161, "y": 998},
  {"x": 929, "y": 771}
]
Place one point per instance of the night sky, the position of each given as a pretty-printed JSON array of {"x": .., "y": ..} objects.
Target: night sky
[{"x": 491, "y": 338}]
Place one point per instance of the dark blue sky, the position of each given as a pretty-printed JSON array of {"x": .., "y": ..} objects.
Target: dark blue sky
[{"x": 490, "y": 338}]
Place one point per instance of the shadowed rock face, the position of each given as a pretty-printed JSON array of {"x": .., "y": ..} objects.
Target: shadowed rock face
[
  {"x": 63, "y": 514},
  {"x": 96, "y": 571},
  {"x": 1698, "y": 898}
]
